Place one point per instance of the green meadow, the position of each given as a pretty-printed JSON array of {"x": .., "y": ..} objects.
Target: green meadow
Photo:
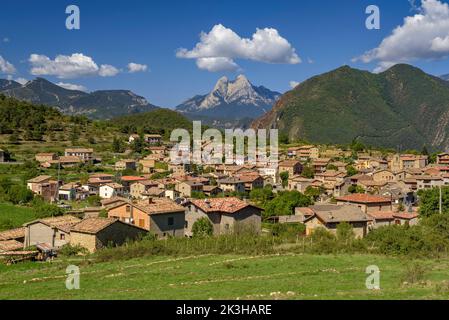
[{"x": 245, "y": 277}]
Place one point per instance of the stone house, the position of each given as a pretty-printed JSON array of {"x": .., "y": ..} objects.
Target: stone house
[
  {"x": 329, "y": 216},
  {"x": 147, "y": 165},
  {"x": 227, "y": 215},
  {"x": 45, "y": 187},
  {"x": 185, "y": 188},
  {"x": 161, "y": 216},
  {"x": 85, "y": 154},
  {"x": 44, "y": 157},
  {"x": 231, "y": 185},
  {"x": 137, "y": 189},
  {"x": 126, "y": 164},
  {"x": 366, "y": 202},
  {"x": 97, "y": 233},
  {"x": 293, "y": 167},
  {"x": 54, "y": 231}
]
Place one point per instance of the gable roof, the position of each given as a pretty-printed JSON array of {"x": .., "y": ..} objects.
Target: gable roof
[
  {"x": 332, "y": 213},
  {"x": 12, "y": 234},
  {"x": 153, "y": 206},
  {"x": 10, "y": 245},
  {"x": 224, "y": 205},
  {"x": 363, "y": 198},
  {"x": 93, "y": 225},
  {"x": 39, "y": 179},
  {"x": 63, "y": 223}
]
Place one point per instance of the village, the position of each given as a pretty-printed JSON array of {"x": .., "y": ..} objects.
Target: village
[{"x": 166, "y": 199}]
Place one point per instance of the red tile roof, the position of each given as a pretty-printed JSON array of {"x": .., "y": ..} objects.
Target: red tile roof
[
  {"x": 363, "y": 198},
  {"x": 225, "y": 205}
]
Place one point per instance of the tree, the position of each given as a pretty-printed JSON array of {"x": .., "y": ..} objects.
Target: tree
[
  {"x": 19, "y": 194},
  {"x": 314, "y": 192},
  {"x": 351, "y": 171},
  {"x": 13, "y": 138},
  {"x": 117, "y": 145},
  {"x": 261, "y": 195},
  {"x": 137, "y": 145},
  {"x": 345, "y": 231},
  {"x": 202, "y": 228},
  {"x": 429, "y": 201},
  {"x": 307, "y": 172},
  {"x": 356, "y": 189},
  {"x": 285, "y": 202},
  {"x": 284, "y": 178}
]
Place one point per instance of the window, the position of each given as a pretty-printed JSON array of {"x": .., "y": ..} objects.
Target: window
[
  {"x": 171, "y": 221},
  {"x": 141, "y": 223},
  {"x": 186, "y": 224},
  {"x": 62, "y": 236},
  {"x": 128, "y": 208}
]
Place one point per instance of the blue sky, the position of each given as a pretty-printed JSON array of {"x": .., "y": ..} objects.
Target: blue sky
[{"x": 323, "y": 34}]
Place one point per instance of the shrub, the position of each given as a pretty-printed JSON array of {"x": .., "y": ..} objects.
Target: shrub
[
  {"x": 413, "y": 273},
  {"x": 69, "y": 250},
  {"x": 202, "y": 228}
]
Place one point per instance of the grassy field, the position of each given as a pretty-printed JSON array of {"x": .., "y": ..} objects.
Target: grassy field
[
  {"x": 226, "y": 277},
  {"x": 18, "y": 215}
]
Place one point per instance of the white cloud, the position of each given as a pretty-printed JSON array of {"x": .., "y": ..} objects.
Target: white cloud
[
  {"x": 218, "y": 49},
  {"x": 67, "y": 67},
  {"x": 424, "y": 35},
  {"x": 217, "y": 64},
  {"x": 5, "y": 40},
  {"x": 106, "y": 70},
  {"x": 137, "y": 67},
  {"x": 293, "y": 84},
  {"x": 6, "y": 67},
  {"x": 71, "y": 86}
]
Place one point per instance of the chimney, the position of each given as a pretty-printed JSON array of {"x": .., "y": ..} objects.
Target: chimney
[{"x": 207, "y": 202}]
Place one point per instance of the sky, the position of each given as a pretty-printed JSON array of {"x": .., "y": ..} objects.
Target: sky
[{"x": 169, "y": 51}]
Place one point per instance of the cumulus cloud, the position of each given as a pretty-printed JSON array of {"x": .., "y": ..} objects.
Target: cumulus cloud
[
  {"x": 424, "y": 35},
  {"x": 218, "y": 49},
  {"x": 71, "y": 86},
  {"x": 6, "y": 67},
  {"x": 217, "y": 64},
  {"x": 67, "y": 67},
  {"x": 106, "y": 70},
  {"x": 137, "y": 67},
  {"x": 294, "y": 84}
]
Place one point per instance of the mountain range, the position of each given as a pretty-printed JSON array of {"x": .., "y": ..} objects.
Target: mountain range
[
  {"x": 402, "y": 107},
  {"x": 103, "y": 104},
  {"x": 230, "y": 102}
]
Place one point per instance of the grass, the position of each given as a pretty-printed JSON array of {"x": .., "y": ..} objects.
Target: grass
[
  {"x": 225, "y": 277},
  {"x": 16, "y": 214}
]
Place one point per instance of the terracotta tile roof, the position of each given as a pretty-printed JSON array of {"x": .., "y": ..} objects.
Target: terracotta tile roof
[
  {"x": 363, "y": 198},
  {"x": 63, "y": 223},
  {"x": 132, "y": 178},
  {"x": 289, "y": 163},
  {"x": 93, "y": 225},
  {"x": 12, "y": 234},
  {"x": 85, "y": 150},
  {"x": 113, "y": 185},
  {"x": 332, "y": 213},
  {"x": 112, "y": 201},
  {"x": 154, "y": 191},
  {"x": 39, "y": 179},
  {"x": 225, "y": 205},
  {"x": 153, "y": 205},
  {"x": 69, "y": 159},
  {"x": 10, "y": 245},
  {"x": 405, "y": 215}
]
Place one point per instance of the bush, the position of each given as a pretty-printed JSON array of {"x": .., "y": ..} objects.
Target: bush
[
  {"x": 413, "y": 273},
  {"x": 20, "y": 195},
  {"x": 69, "y": 250},
  {"x": 202, "y": 228}
]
